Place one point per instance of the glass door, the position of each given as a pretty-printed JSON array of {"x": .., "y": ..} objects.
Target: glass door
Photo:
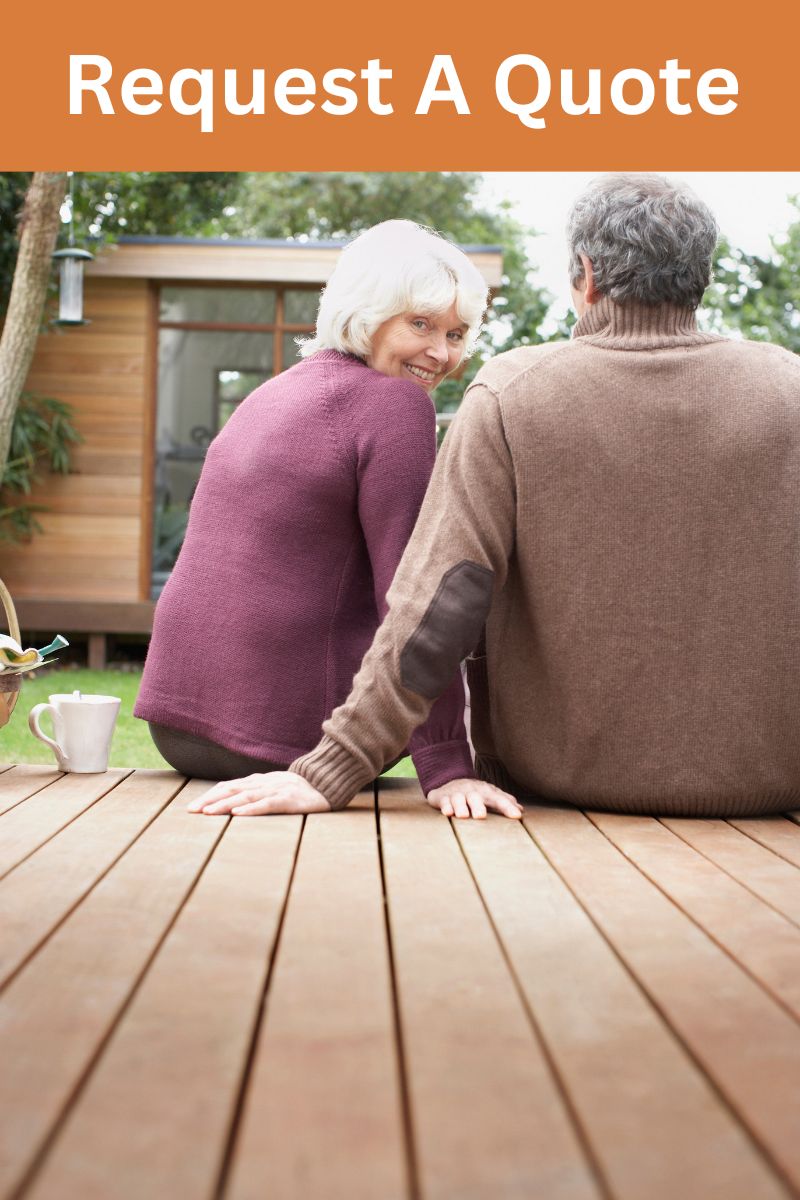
[{"x": 215, "y": 345}]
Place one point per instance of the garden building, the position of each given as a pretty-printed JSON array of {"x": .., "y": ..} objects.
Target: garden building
[{"x": 179, "y": 331}]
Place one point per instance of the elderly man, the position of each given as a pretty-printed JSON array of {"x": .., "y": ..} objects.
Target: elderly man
[{"x": 622, "y": 513}]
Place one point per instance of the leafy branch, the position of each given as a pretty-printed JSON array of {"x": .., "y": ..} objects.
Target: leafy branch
[{"x": 42, "y": 435}]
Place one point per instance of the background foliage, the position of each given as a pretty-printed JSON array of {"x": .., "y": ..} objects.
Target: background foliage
[{"x": 760, "y": 297}]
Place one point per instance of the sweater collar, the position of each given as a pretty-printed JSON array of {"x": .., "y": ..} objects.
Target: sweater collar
[{"x": 636, "y": 326}]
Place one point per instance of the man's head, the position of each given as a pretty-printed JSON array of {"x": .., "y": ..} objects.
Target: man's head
[{"x": 640, "y": 238}]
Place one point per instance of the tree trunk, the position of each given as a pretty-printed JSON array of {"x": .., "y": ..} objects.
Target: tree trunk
[{"x": 38, "y": 232}]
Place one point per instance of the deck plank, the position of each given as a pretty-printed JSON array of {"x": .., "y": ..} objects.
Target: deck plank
[
  {"x": 637, "y": 1095},
  {"x": 323, "y": 1115},
  {"x": 38, "y": 894},
  {"x": 30, "y": 824},
  {"x": 764, "y": 873},
  {"x": 56, "y": 1013},
  {"x": 707, "y": 999},
  {"x": 757, "y": 937},
  {"x": 487, "y": 1115},
  {"x": 18, "y": 783},
  {"x": 777, "y": 834},
  {"x": 155, "y": 1117}
]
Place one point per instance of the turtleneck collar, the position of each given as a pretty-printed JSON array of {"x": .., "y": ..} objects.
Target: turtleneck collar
[{"x": 636, "y": 326}]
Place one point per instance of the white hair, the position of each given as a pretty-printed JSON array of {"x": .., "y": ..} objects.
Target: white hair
[{"x": 392, "y": 268}]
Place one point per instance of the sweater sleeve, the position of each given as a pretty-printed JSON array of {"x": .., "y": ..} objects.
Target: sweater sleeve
[
  {"x": 455, "y": 562},
  {"x": 396, "y": 452}
]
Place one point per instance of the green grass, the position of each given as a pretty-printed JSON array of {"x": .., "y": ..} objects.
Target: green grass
[
  {"x": 404, "y": 769},
  {"x": 132, "y": 745}
]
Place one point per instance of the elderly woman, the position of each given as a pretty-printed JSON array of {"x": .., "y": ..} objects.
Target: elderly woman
[
  {"x": 621, "y": 510},
  {"x": 304, "y": 506}
]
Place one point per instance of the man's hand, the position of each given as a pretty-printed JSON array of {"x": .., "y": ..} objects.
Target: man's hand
[
  {"x": 260, "y": 795},
  {"x": 473, "y": 798}
]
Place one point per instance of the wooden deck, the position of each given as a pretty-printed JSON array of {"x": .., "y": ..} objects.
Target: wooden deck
[{"x": 390, "y": 1005}]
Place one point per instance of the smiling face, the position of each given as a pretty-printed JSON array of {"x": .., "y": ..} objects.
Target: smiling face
[{"x": 417, "y": 346}]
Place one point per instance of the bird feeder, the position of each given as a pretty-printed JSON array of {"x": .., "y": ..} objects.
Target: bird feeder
[{"x": 71, "y": 262}]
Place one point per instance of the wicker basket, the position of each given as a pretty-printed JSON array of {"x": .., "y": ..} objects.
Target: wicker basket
[{"x": 9, "y": 684}]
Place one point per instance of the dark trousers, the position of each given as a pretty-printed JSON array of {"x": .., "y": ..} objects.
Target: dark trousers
[{"x": 200, "y": 758}]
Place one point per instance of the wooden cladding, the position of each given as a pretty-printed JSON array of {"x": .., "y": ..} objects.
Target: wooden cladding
[{"x": 94, "y": 535}]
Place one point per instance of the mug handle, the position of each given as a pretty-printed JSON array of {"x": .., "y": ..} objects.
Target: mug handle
[{"x": 36, "y": 712}]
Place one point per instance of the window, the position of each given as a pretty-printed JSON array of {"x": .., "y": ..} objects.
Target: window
[{"x": 216, "y": 344}]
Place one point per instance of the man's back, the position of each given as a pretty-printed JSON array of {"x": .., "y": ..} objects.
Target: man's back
[{"x": 642, "y": 652}]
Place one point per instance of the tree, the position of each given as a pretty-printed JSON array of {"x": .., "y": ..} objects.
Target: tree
[
  {"x": 38, "y": 229},
  {"x": 186, "y": 203},
  {"x": 760, "y": 297},
  {"x": 13, "y": 187}
]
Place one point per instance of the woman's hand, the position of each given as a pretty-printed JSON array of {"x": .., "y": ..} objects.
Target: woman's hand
[
  {"x": 473, "y": 798},
  {"x": 261, "y": 795}
]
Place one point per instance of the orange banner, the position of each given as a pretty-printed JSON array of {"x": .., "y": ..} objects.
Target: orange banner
[{"x": 386, "y": 87}]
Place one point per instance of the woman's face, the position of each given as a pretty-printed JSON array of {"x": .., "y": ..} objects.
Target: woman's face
[{"x": 421, "y": 347}]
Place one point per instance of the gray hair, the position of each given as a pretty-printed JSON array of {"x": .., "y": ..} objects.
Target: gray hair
[
  {"x": 392, "y": 268},
  {"x": 648, "y": 239}
]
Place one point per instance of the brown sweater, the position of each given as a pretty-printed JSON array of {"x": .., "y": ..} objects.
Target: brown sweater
[{"x": 623, "y": 511}]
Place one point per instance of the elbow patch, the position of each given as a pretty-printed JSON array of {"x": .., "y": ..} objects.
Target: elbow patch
[{"x": 449, "y": 630}]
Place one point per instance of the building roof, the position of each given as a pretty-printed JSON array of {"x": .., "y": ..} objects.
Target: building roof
[
  {"x": 299, "y": 243},
  {"x": 254, "y": 260}
]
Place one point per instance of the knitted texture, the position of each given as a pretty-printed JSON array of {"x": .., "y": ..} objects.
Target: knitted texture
[
  {"x": 635, "y": 492},
  {"x": 305, "y": 503}
]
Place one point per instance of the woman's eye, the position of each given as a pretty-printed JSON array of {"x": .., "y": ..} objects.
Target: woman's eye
[
  {"x": 419, "y": 323},
  {"x": 456, "y": 335}
]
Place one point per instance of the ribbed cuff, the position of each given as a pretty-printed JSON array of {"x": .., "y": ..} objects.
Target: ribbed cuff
[
  {"x": 333, "y": 771},
  {"x": 439, "y": 763}
]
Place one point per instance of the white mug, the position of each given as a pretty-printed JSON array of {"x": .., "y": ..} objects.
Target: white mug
[{"x": 83, "y": 725}]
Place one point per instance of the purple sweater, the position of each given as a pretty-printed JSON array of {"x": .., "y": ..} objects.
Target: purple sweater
[{"x": 304, "y": 507}]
